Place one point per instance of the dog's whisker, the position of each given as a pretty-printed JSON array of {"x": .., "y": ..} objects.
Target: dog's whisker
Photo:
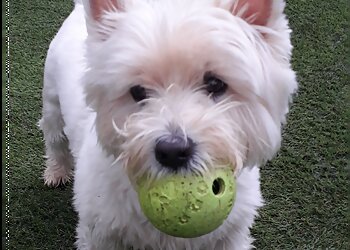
[
  {"x": 118, "y": 130},
  {"x": 171, "y": 86},
  {"x": 162, "y": 110},
  {"x": 120, "y": 157}
]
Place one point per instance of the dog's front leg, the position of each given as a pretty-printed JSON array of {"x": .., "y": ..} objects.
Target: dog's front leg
[{"x": 89, "y": 237}]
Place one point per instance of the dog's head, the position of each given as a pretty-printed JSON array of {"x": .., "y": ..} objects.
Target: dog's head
[{"x": 182, "y": 85}]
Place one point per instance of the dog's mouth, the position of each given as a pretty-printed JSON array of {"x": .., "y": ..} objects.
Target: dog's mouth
[{"x": 189, "y": 205}]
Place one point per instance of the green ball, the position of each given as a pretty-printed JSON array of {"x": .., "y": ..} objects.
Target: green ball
[{"x": 188, "y": 206}]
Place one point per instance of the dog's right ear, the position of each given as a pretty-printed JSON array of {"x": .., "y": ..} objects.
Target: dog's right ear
[
  {"x": 97, "y": 8},
  {"x": 100, "y": 16}
]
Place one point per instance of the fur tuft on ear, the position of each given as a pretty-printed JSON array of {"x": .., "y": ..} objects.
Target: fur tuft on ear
[
  {"x": 255, "y": 12},
  {"x": 96, "y": 8},
  {"x": 268, "y": 18},
  {"x": 259, "y": 12},
  {"x": 101, "y": 17}
]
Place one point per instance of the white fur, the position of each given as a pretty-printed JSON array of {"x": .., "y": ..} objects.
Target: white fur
[{"x": 91, "y": 122}]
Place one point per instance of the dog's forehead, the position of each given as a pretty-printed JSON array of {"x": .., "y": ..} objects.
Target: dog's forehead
[
  {"x": 179, "y": 48},
  {"x": 178, "y": 58}
]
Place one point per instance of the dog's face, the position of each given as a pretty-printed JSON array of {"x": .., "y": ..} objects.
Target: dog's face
[{"x": 183, "y": 85}]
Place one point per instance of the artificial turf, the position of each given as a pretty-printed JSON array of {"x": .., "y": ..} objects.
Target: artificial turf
[{"x": 305, "y": 186}]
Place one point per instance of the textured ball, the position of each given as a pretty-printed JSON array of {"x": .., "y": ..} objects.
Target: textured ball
[{"x": 188, "y": 206}]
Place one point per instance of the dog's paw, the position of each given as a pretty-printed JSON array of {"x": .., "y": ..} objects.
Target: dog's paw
[{"x": 56, "y": 174}]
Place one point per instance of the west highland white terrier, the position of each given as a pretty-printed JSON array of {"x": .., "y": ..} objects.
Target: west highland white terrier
[{"x": 161, "y": 86}]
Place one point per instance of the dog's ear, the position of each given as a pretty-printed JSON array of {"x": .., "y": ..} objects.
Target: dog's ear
[
  {"x": 96, "y": 8},
  {"x": 267, "y": 17},
  {"x": 101, "y": 18},
  {"x": 259, "y": 12}
]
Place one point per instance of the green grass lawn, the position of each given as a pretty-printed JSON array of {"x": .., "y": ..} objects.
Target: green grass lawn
[{"x": 305, "y": 186}]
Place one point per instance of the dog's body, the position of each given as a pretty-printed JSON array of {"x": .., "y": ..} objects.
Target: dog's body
[{"x": 92, "y": 124}]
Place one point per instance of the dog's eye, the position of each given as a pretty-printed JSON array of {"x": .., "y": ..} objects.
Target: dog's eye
[
  {"x": 214, "y": 85},
  {"x": 138, "y": 93}
]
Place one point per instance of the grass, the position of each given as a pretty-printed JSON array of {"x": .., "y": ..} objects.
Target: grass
[
  {"x": 3, "y": 48},
  {"x": 305, "y": 186}
]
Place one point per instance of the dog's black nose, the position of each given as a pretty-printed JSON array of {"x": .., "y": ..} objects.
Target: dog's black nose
[{"x": 174, "y": 151}]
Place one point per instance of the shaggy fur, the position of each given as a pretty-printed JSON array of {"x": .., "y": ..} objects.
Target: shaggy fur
[{"x": 92, "y": 125}]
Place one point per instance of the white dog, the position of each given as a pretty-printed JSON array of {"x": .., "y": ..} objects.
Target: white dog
[{"x": 160, "y": 86}]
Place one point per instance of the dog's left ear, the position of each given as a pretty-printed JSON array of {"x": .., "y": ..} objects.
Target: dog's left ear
[
  {"x": 256, "y": 12},
  {"x": 267, "y": 17},
  {"x": 259, "y": 12}
]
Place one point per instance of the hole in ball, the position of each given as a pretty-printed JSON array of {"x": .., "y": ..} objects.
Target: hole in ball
[{"x": 218, "y": 186}]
